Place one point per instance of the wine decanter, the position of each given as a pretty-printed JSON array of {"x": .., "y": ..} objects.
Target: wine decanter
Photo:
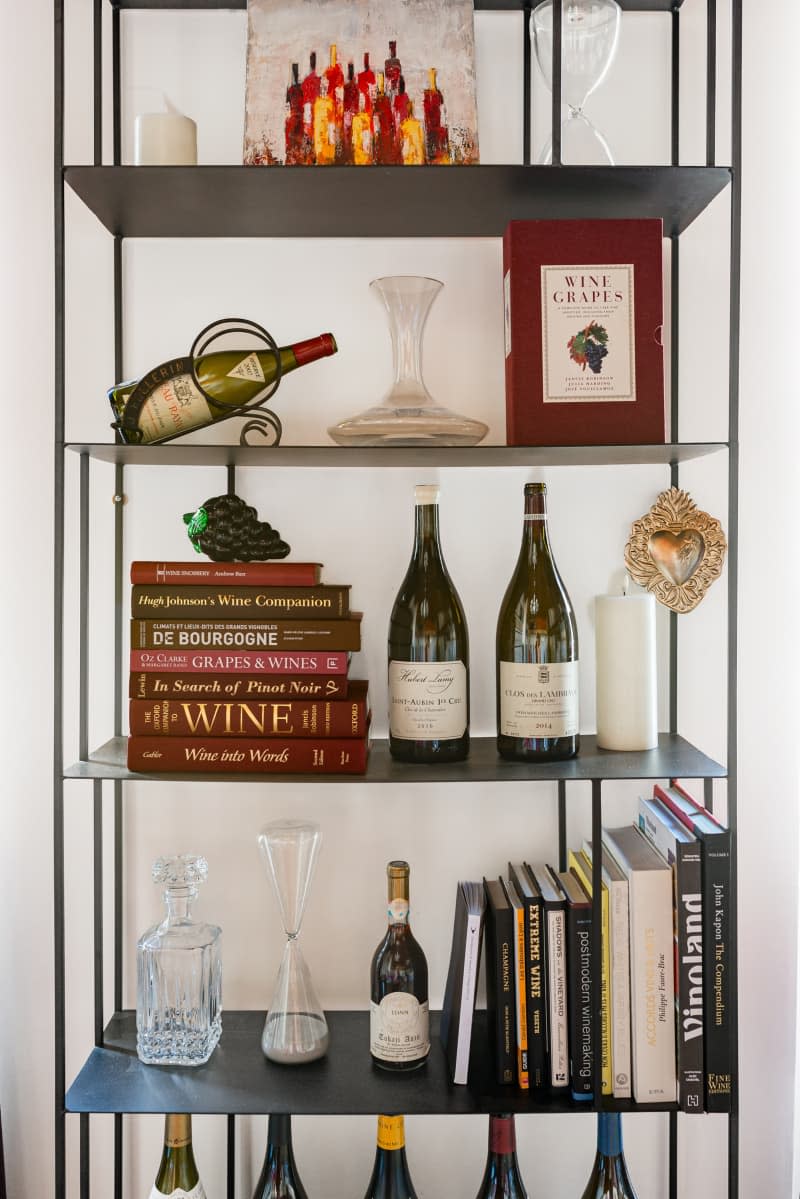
[
  {"x": 589, "y": 36},
  {"x": 295, "y": 1030},
  {"x": 408, "y": 414}
]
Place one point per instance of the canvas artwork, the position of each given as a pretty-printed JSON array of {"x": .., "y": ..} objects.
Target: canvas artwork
[{"x": 355, "y": 81}]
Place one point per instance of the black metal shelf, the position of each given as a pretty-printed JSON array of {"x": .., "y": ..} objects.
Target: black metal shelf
[
  {"x": 179, "y": 453},
  {"x": 492, "y": 5},
  {"x": 347, "y": 201},
  {"x": 674, "y": 758},
  {"x": 238, "y": 1080}
]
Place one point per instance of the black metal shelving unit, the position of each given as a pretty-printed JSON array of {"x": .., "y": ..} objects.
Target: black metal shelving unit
[{"x": 248, "y": 202}]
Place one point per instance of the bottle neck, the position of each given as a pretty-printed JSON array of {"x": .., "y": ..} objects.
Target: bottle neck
[
  {"x": 398, "y": 906},
  {"x": 390, "y": 1174},
  {"x": 535, "y": 532},
  {"x": 179, "y": 901},
  {"x": 427, "y": 547},
  {"x": 279, "y": 1173},
  {"x": 502, "y": 1171},
  {"x": 609, "y": 1134},
  {"x": 177, "y": 1170}
]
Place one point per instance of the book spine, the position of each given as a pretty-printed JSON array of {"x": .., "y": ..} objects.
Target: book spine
[
  {"x": 652, "y": 987},
  {"x": 500, "y": 993},
  {"x": 557, "y": 998},
  {"x": 236, "y": 602},
  {"x": 247, "y": 755},
  {"x": 247, "y": 634},
  {"x": 148, "y": 684},
  {"x": 520, "y": 994},
  {"x": 186, "y": 662},
  {"x": 254, "y": 574},
  {"x": 582, "y": 868},
  {"x": 509, "y": 339},
  {"x": 690, "y": 977},
  {"x": 536, "y": 1006},
  {"x": 619, "y": 935},
  {"x": 469, "y": 983},
  {"x": 579, "y": 982},
  {"x": 248, "y": 718}
]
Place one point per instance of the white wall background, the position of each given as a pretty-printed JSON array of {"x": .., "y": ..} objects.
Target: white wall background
[{"x": 358, "y": 523}]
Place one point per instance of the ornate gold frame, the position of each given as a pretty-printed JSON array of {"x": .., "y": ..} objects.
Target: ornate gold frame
[{"x": 676, "y": 551}]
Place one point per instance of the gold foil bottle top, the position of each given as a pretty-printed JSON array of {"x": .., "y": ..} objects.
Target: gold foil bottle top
[
  {"x": 398, "y": 869},
  {"x": 177, "y": 1130},
  {"x": 391, "y": 1132}
]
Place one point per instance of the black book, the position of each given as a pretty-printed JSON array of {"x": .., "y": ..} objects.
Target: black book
[
  {"x": 455, "y": 1029},
  {"x": 500, "y": 991},
  {"x": 555, "y": 951},
  {"x": 535, "y": 975},
  {"x": 580, "y": 976}
]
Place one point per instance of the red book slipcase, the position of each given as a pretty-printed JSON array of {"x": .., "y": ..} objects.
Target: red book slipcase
[{"x": 583, "y": 321}]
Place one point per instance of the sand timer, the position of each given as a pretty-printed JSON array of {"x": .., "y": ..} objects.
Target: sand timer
[
  {"x": 295, "y": 1030},
  {"x": 589, "y": 36}
]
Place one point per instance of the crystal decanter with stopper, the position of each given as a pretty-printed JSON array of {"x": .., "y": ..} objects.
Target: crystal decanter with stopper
[
  {"x": 408, "y": 414},
  {"x": 295, "y": 1030},
  {"x": 179, "y": 973}
]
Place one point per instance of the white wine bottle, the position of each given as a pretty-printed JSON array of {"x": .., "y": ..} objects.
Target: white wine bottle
[
  {"x": 231, "y": 378},
  {"x": 399, "y": 1029},
  {"x": 609, "y": 1178},
  {"x": 390, "y": 1177},
  {"x": 428, "y": 651},
  {"x": 537, "y": 650},
  {"x": 177, "y": 1174}
]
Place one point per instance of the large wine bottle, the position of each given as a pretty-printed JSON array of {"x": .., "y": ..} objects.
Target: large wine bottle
[
  {"x": 609, "y": 1178},
  {"x": 232, "y": 379},
  {"x": 501, "y": 1178},
  {"x": 390, "y": 1178},
  {"x": 278, "y": 1178},
  {"x": 177, "y": 1174},
  {"x": 399, "y": 1030},
  {"x": 537, "y": 650},
  {"x": 428, "y": 651}
]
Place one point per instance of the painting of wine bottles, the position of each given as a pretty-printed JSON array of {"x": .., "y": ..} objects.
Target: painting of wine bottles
[{"x": 360, "y": 82}]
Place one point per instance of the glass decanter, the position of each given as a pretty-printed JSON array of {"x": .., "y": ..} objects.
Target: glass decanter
[
  {"x": 295, "y": 1030},
  {"x": 589, "y": 37},
  {"x": 408, "y": 413},
  {"x": 179, "y": 973}
]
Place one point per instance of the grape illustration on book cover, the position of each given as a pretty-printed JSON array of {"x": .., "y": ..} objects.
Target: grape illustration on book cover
[{"x": 360, "y": 83}]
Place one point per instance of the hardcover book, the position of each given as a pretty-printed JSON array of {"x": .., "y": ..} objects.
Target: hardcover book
[
  {"x": 556, "y": 972},
  {"x": 458, "y": 1008},
  {"x": 520, "y": 989},
  {"x": 581, "y": 867},
  {"x": 234, "y": 602},
  {"x": 715, "y": 845},
  {"x": 247, "y": 634},
  {"x": 616, "y": 884},
  {"x": 151, "y": 684},
  {"x": 535, "y": 982},
  {"x": 652, "y": 968},
  {"x": 248, "y": 755},
  {"x": 580, "y": 982},
  {"x": 583, "y": 317},
  {"x": 191, "y": 662},
  {"x": 253, "y": 574},
  {"x": 500, "y": 983}
]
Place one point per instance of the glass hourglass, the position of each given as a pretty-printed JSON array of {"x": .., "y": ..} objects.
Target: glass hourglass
[
  {"x": 295, "y": 1030},
  {"x": 408, "y": 414},
  {"x": 589, "y": 37}
]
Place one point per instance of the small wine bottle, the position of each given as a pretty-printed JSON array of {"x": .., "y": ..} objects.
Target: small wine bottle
[
  {"x": 501, "y": 1179},
  {"x": 428, "y": 651},
  {"x": 177, "y": 1175},
  {"x": 609, "y": 1178},
  {"x": 232, "y": 379},
  {"x": 390, "y": 1178},
  {"x": 399, "y": 1031},
  {"x": 279, "y": 1178},
  {"x": 537, "y": 650}
]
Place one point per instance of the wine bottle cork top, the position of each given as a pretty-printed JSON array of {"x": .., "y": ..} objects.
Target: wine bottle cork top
[
  {"x": 535, "y": 488},
  {"x": 426, "y": 493},
  {"x": 398, "y": 870}
]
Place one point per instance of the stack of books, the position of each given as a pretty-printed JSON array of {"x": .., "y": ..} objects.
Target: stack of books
[
  {"x": 243, "y": 667},
  {"x": 664, "y": 971}
]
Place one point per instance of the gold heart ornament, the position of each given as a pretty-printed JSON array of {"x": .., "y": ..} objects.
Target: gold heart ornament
[
  {"x": 676, "y": 551},
  {"x": 677, "y": 555}
]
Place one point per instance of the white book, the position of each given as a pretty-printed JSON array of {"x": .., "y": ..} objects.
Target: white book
[
  {"x": 616, "y": 884},
  {"x": 462, "y": 978},
  {"x": 652, "y": 966},
  {"x": 556, "y": 941}
]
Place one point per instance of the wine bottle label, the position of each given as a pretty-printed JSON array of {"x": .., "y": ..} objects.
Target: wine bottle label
[
  {"x": 398, "y": 1028},
  {"x": 398, "y": 911},
  {"x": 427, "y": 700},
  {"x": 196, "y": 1192},
  {"x": 391, "y": 1132},
  {"x": 175, "y": 406},
  {"x": 539, "y": 699},
  {"x": 249, "y": 368}
]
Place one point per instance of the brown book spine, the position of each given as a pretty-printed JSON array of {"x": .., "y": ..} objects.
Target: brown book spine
[
  {"x": 248, "y": 755},
  {"x": 235, "y": 603},
  {"x": 252, "y": 574},
  {"x": 152, "y": 684},
  {"x": 252, "y": 718},
  {"x": 291, "y": 634},
  {"x": 237, "y": 661}
]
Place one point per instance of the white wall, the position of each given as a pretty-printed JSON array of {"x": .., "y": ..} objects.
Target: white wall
[{"x": 171, "y": 290}]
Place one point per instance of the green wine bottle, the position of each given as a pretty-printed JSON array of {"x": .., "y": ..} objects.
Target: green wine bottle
[
  {"x": 177, "y": 1175},
  {"x": 428, "y": 651},
  {"x": 231, "y": 378},
  {"x": 537, "y": 650}
]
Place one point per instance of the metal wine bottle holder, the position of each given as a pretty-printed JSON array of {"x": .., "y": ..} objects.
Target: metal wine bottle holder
[{"x": 264, "y": 421}]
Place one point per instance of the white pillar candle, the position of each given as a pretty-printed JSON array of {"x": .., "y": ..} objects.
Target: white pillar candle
[
  {"x": 164, "y": 139},
  {"x": 627, "y": 707}
]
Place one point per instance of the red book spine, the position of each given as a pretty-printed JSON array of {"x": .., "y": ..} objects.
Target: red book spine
[
  {"x": 235, "y": 602},
  {"x": 251, "y": 718},
  {"x": 250, "y": 574},
  {"x": 247, "y": 634},
  {"x": 151, "y": 684},
  {"x": 247, "y": 755},
  {"x": 191, "y": 662}
]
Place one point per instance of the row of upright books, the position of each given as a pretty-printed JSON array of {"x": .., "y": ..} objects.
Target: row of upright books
[
  {"x": 664, "y": 971},
  {"x": 244, "y": 667}
]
